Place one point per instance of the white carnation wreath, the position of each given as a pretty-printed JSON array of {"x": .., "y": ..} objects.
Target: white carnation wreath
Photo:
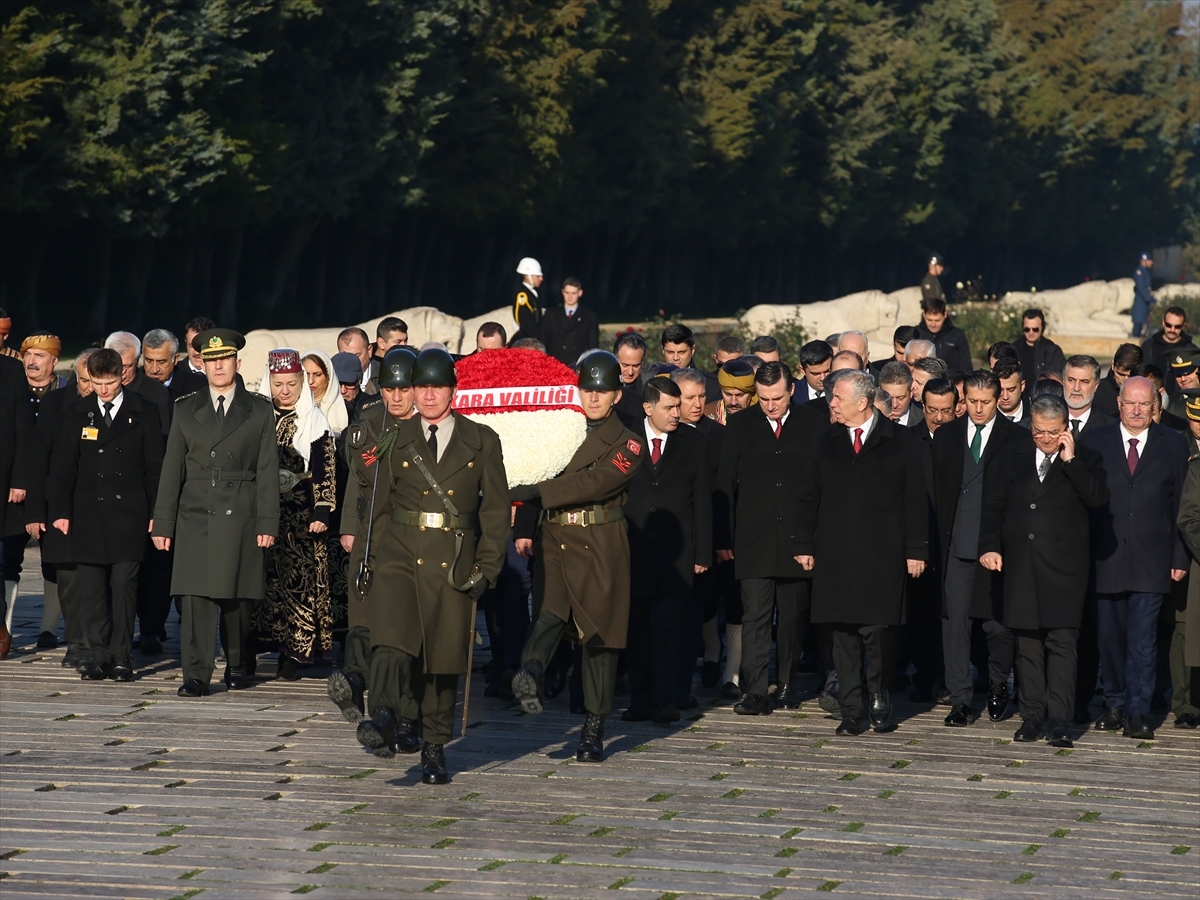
[{"x": 537, "y": 444}]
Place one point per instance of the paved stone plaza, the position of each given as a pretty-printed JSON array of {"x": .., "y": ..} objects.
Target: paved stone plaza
[{"x": 127, "y": 791}]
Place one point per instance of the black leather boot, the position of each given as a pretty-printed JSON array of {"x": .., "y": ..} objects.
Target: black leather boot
[
  {"x": 433, "y": 765},
  {"x": 345, "y": 689},
  {"x": 378, "y": 733},
  {"x": 408, "y": 735},
  {"x": 591, "y": 740},
  {"x": 528, "y": 686}
]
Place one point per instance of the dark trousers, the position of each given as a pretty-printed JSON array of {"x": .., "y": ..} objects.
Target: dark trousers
[
  {"x": 655, "y": 648},
  {"x": 1185, "y": 679},
  {"x": 1088, "y": 651},
  {"x": 154, "y": 591},
  {"x": 1128, "y": 629},
  {"x": 690, "y": 642},
  {"x": 358, "y": 650},
  {"x": 400, "y": 683},
  {"x": 198, "y": 634},
  {"x": 107, "y": 606},
  {"x": 760, "y": 597},
  {"x": 956, "y": 635},
  {"x": 1046, "y": 668},
  {"x": 849, "y": 644},
  {"x": 509, "y": 625},
  {"x": 12, "y": 555},
  {"x": 69, "y": 601},
  {"x": 598, "y": 666}
]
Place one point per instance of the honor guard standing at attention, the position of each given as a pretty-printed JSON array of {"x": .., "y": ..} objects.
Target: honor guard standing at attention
[
  {"x": 444, "y": 543},
  {"x": 581, "y": 555},
  {"x": 365, "y": 514},
  {"x": 218, "y": 504},
  {"x": 527, "y": 310}
]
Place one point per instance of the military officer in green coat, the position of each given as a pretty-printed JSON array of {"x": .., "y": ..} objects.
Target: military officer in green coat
[
  {"x": 445, "y": 542},
  {"x": 581, "y": 555},
  {"x": 218, "y": 506},
  {"x": 367, "y": 440}
]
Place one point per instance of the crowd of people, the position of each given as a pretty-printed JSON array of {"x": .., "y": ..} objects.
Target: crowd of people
[{"x": 1022, "y": 531}]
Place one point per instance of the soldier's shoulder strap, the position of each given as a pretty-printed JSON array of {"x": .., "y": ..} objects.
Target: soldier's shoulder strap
[{"x": 186, "y": 396}]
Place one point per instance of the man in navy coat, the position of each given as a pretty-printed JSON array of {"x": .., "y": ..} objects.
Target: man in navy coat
[{"x": 1137, "y": 551}]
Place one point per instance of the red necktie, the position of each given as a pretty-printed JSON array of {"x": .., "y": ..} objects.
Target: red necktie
[
  {"x": 778, "y": 428},
  {"x": 655, "y": 450},
  {"x": 857, "y": 440},
  {"x": 1132, "y": 458}
]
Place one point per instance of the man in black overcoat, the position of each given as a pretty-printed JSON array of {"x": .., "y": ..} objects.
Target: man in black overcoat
[
  {"x": 570, "y": 329},
  {"x": 16, "y": 431},
  {"x": 669, "y": 512},
  {"x": 964, "y": 452},
  {"x": 763, "y": 457},
  {"x": 862, "y": 461},
  {"x": 103, "y": 483},
  {"x": 1035, "y": 529}
]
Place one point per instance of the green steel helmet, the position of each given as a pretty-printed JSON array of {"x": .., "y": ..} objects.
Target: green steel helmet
[
  {"x": 599, "y": 371},
  {"x": 397, "y": 368},
  {"x": 434, "y": 367}
]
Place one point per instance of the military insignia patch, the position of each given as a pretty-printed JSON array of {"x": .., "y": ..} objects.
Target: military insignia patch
[
  {"x": 370, "y": 457},
  {"x": 621, "y": 462},
  {"x": 634, "y": 447},
  {"x": 356, "y": 435}
]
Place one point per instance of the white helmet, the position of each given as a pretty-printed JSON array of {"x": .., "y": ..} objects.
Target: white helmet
[{"x": 529, "y": 266}]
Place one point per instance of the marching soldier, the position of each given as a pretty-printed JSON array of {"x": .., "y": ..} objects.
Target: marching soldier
[
  {"x": 218, "y": 501},
  {"x": 581, "y": 556},
  {"x": 444, "y": 543},
  {"x": 527, "y": 309},
  {"x": 365, "y": 513}
]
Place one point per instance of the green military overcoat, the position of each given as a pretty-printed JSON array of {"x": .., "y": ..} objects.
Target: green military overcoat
[
  {"x": 412, "y": 605},
  {"x": 1189, "y": 527},
  {"x": 218, "y": 491},
  {"x": 583, "y": 570}
]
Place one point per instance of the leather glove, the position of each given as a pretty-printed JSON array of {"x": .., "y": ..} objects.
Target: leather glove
[
  {"x": 477, "y": 590},
  {"x": 523, "y": 493}
]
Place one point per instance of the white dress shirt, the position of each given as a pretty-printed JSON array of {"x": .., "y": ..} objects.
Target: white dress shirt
[
  {"x": 1082, "y": 418},
  {"x": 983, "y": 438},
  {"x": 116, "y": 405},
  {"x": 1037, "y": 462},
  {"x": 1141, "y": 441},
  {"x": 865, "y": 428},
  {"x": 652, "y": 436},
  {"x": 776, "y": 427}
]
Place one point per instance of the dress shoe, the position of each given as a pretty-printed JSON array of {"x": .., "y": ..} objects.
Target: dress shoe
[
  {"x": 527, "y": 687},
  {"x": 408, "y": 737},
  {"x": 591, "y": 740},
  {"x": 150, "y": 645},
  {"x": 961, "y": 715},
  {"x": 193, "y": 687},
  {"x": 5, "y": 641},
  {"x": 95, "y": 671},
  {"x": 122, "y": 670},
  {"x": 710, "y": 674},
  {"x": 787, "y": 697},
  {"x": 82, "y": 664},
  {"x": 235, "y": 678},
  {"x": 730, "y": 691},
  {"x": 997, "y": 702},
  {"x": 433, "y": 765},
  {"x": 829, "y": 702},
  {"x": 880, "y": 712},
  {"x": 1113, "y": 719},
  {"x": 688, "y": 702},
  {"x": 636, "y": 715},
  {"x": 752, "y": 705},
  {"x": 942, "y": 695},
  {"x": 1083, "y": 715},
  {"x": 1138, "y": 728},
  {"x": 1059, "y": 734},
  {"x": 345, "y": 689},
  {"x": 378, "y": 733},
  {"x": 668, "y": 715},
  {"x": 289, "y": 668},
  {"x": 1185, "y": 720},
  {"x": 849, "y": 726},
  {"x": 47, "y": 640},
  {"x": 1030, "y": 731},
  {"x": 71, "y": 659}
]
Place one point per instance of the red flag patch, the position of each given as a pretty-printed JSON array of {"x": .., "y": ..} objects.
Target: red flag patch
[
  {"x": 634, "y": 447},
  {"x": 621, "y": 462}
]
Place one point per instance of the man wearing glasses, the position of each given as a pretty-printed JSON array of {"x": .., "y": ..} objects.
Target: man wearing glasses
[
  {"x": 1037, "y": 353},
  {"x": 129, "y": 348},
  {"x": 1160, "y": 348}
]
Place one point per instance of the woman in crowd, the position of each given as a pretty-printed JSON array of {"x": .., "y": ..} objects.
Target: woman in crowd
[
  {"x": 295, "y": 617},
  {"x": 318, "y": 369}
]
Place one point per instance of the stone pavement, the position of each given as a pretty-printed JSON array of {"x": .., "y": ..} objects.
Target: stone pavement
[{"x": 127, "y": 791}]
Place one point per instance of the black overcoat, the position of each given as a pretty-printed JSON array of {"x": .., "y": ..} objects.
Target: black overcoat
[
  {"x": 568, "y": 337},
  {"x": 669, "y": 512},
  {"x": 949, "y": 442},
  {"x": 859, "y": 573},
  {"x": 16, "y": 436},
  {"x": 1040, "y": 528},
  {"x": 758, "y": 487},
  {"x": 56, "y": 546},
  {"x": 106, "y": 486}
]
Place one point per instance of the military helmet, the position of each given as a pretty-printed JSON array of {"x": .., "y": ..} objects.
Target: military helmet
[
  {"x": 434, "y": 367},
  {"x": 397, "y": 368},
  {"x": 599, "y": 371}
]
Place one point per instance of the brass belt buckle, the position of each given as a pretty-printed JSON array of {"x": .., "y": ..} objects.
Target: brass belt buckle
[
  {"x": 573, "y": 518},
  {"x": 432, "y": 520}
]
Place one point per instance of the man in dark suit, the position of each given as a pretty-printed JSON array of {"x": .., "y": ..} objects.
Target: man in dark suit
[
  {"x": 102, "y": 487},
  {"x": 862, "y": 461},
  {"x": 670, "y": 542},
  {"x": 570, "y": 330},
  {"x": 160, "y": 354},
  {"x": 763, "y": 459},
  {"x": 816, "y": 360},
  {"x": 129, "y": 347},
  {"x": 896, "y": 379},
  {"x": 1037, "y": 353},
  {"x": 630, "y": 351},
  {"x": 964, "y": 451},
  {"x": 16, "y": 431},
  {"x": 1137, "y": 551},
  {"x": 1127, "y": 357},
  {"x": 1035, "y": 529}
]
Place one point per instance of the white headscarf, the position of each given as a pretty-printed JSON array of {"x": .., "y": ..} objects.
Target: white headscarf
[
  {"x": 311, "y": 423},
  {"x": 332, "y": 404}
]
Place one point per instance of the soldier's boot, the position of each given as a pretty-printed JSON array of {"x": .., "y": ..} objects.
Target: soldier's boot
[
  {"x": 408, "y": 739},
  {"x": 433, "y": 765},
  {"x": 527, "y": 687},
  {"x": 378, "y": 733},
  {"x": 591, "y": 740},
  {"x": 345, "y": 689}
]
